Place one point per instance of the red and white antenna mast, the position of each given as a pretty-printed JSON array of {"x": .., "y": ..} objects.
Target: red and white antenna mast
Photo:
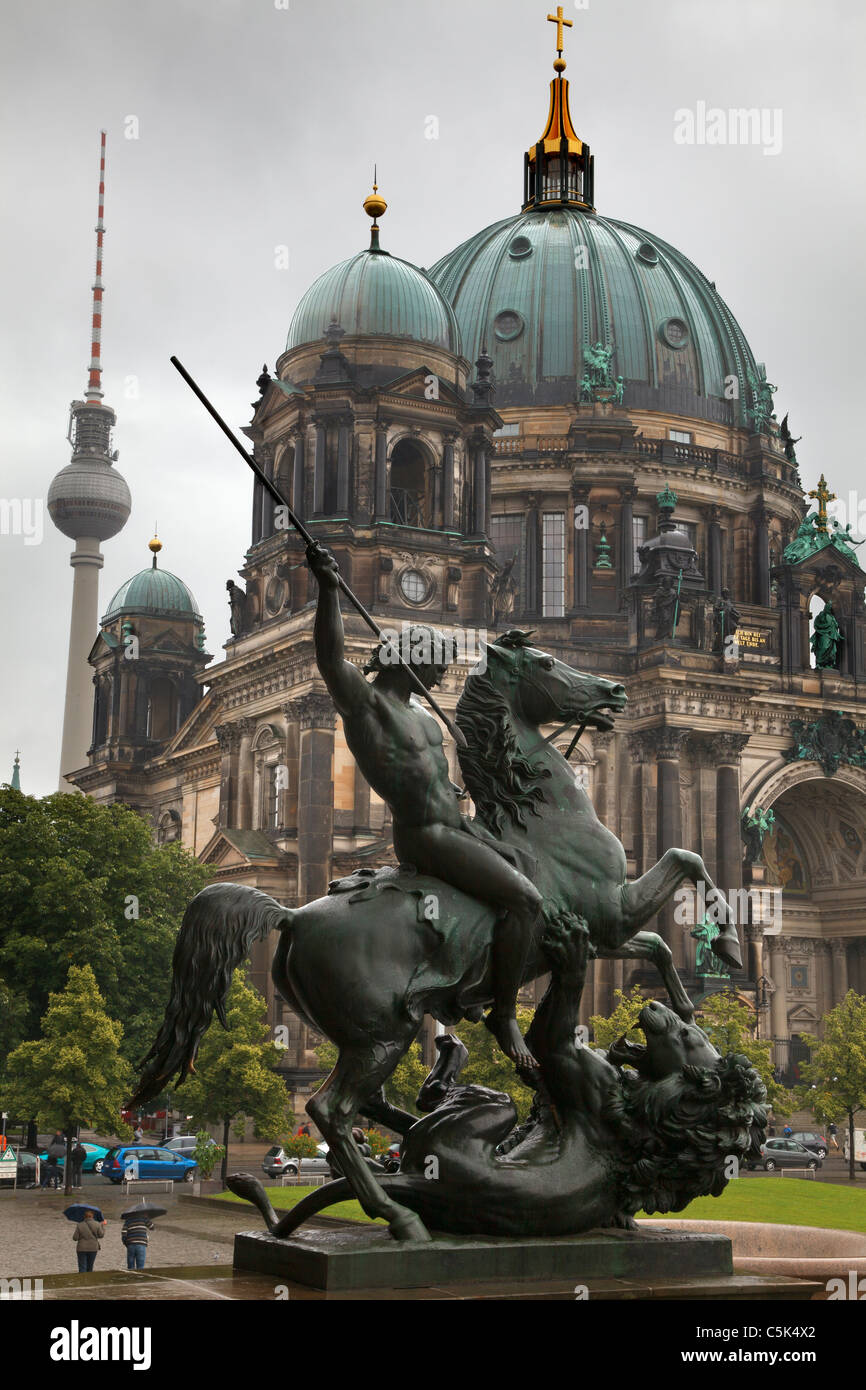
[{"x": 93, "y": 394}]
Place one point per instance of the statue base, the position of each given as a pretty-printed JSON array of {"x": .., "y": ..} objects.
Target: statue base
[{"x": 367, "y": 1258}]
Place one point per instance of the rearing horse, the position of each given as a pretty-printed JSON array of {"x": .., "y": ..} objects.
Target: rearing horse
[{"x": 364, "y": 964}]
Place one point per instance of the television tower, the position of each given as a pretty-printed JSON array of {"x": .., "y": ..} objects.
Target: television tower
[{"x": 89, "y": 502}]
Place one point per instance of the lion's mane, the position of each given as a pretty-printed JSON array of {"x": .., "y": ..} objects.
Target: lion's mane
[{"x": 681, "y": 1132}]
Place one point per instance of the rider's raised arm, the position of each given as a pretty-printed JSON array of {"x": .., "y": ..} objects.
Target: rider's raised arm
[{"x": 347, "y": 687}]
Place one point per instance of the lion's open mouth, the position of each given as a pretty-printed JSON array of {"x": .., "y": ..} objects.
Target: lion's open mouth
[{"x": 624, "y": 1053}]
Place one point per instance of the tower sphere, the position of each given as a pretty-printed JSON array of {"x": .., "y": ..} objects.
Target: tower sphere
[{"x": 89, "y": 498}]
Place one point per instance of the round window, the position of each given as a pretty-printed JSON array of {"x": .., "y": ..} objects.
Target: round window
[
  {"x": 276, "y": 594},
  {"x": 647, "y": 252},
  {"x": 520, "y": 247},
  {"x": 675, "y": 333},
  {"x": 508, "y": 324},
  {"x": 413, "y": 586}
]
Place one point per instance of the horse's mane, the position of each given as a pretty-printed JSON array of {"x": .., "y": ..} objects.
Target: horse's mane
[
  {"x": 682, "y": 1131},
  {"x": 500, "y": 780}
]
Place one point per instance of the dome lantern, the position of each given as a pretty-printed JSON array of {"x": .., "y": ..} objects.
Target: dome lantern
[{"x": 558, "y": 170}]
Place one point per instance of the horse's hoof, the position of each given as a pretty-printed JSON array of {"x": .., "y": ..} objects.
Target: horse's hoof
[{"x": 408, "y": 1226}]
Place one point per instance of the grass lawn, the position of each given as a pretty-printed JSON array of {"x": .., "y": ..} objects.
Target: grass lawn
[{"x": 788, "y": 1201}]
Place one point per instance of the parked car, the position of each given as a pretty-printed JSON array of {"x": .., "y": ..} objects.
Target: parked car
[
  {"x": 859, "y": 1147},
  {"x": 276, "y": 1163},
  {"x": 184, "y": 1144},
  {"x": 147, "y": 1162},
  {"x": 785, "y": 1153},
  {"x": 95, "y": 1154},
  {"x": 812, "y": 1140},
  {"x": 27, "y": 1166},
  {"x": 391, "y": 1158}
]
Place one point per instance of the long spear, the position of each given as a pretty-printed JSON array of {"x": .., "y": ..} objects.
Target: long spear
[
  {"x": 677, "y": 606},
  {"x": 308, "y": 539}
]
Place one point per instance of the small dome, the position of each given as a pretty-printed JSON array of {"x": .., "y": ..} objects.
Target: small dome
[
  {"x": 154, "y": 591},
  {"x": 375, "y": 294},
  {"x": 89, "y": 498}
]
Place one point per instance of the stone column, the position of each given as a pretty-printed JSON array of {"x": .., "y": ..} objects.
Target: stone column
[
  {"x": 602, "y": 746},
  {"x": 779, "y": 999},
  {"x": 580, "y": 496},
  {"x": 380, "y": 510},
  {"x": 298, "y": 506},
  {"x": 727, "y": 749},
  {"x": 258, "y": 497},
  {"x": 344, "y": 437},
  {"x": 228, "y": 736},
  {"x": 761, "y": 519},
  {"x": 246, "y": 728},
  {"x": 839, "y": 948},
  {"x": 669, "y": 829},
  {"x": 628, "y": 496},
  {"x": 754, "y": 934},
  {"x": 714, "y": 551},
  {"x": 448, "y": 484},
  {"x": 319, "y": 469},
  {"x": 704, "y": 759},
  {"x": 532, "y": 600},
  {"x": 479, "y": 488},
  {"x": 315, "y": 794}
]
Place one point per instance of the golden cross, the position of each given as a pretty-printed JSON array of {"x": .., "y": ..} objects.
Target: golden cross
[
  {"x": 822, "y": 495},
  {"x": 558, "y": 20}
]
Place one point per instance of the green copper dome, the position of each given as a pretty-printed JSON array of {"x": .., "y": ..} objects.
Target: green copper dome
[
  {"x": 154, "y": 591},
  {"x": 540, "y": 288},
  {"x": 374, "y": 293}
]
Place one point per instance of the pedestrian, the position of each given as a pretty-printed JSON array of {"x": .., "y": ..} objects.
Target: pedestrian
[
  {"x": 833, "y": 1131},
  {"x": 138, "y": 1133},
  {"x": 304, "y": 1129},
  {"x": 79, "y": 1154},
  {"x": 787, "y": 1131},
  {"x": 87, "y": 1235},
  {"x": 134, "y": 1237},
  {"x": 51, "y": 1171}
]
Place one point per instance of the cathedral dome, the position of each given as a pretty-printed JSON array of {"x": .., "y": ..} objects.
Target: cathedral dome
[
  {"x": 153, "y": 591},
  {"x": 375, "y": 294},
  {"x": 540, "y": 288}
]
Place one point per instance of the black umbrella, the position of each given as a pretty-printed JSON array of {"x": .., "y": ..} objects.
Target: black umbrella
[
  {"x": 78, "y": 1210},
  {"x": 146, "y": 1209}
]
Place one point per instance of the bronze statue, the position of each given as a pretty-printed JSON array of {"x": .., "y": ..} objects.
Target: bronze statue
[
  {"x": 365, "y": 964},
  {"x": 726, "y": 620},
  {"x": 602, "y": 1142},
  {"x": 237, "y": 605},
  {"x": 663, "y": 606},
  {"x": 826, "y": 638}
]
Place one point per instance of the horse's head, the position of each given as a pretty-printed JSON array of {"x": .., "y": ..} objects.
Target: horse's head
[{"x": 545, "y": 691}]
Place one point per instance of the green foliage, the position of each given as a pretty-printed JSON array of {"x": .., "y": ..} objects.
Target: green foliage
[
  {"x": 206, "y": 1153},
  {"x": 835, "y": 1075},
  {"x": 729, "y": 1024},
  {"x": 235, "y": 1073},
  {"x": 488, "y": 1065},
  {"x": 74, "y": 1074},
  {"x": 623, "y": 1020},
  {"x": 69, "y": 870},
  {"x": 378, "y": 1143},
  {"x": 13, "y": 1015},
  {"x": 300, "y": 1146}
]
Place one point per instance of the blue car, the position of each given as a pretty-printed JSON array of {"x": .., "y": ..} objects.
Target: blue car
[{"x": 144, "y": 1161}]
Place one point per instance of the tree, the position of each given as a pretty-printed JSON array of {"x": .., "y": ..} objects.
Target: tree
[
  {"x": 206, "y": 1153},
  {"x": 74, "y": 1074},
  {"x": 488, "y": 1065},
  {"x": 83, "y": 884},
  {"x": 835, "y": 1074},
  {"x": 622, "y": 1022},
  {"x": 729, "y": 1024},
  {"x": 235, "y": 1072}
]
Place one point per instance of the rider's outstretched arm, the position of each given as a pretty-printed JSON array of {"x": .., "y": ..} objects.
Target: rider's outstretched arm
[{"x": 347, "y": 687}]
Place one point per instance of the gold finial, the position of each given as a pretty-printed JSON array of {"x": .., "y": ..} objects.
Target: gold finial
[
  {"x": 822, "y": 495},
  {"x": 154, "y": 545},
  {"x": 373, "y": 205},
  {"x": 561, "y": 23}
]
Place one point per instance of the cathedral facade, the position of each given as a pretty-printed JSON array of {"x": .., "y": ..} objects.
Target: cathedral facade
[{"x": 560, "y": 427}]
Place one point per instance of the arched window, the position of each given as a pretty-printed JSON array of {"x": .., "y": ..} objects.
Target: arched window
[
  {"x": 409, "y": 500},
  {"x": 162, "y": 709}
]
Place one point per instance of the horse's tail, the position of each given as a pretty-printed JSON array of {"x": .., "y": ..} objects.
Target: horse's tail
[
  {"x": 218, "y": 929},
  {"x": 338, "y": 1191}
]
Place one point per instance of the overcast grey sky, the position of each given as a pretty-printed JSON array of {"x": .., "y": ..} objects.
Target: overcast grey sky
[{"x": 258, "y": 126}]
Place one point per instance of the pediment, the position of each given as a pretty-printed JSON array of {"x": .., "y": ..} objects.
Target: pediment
[
  {"x": 235, "y": 849},
  {"x": 414, "y": 384}
]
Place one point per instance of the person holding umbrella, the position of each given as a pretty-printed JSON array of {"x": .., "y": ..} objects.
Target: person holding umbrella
[
  {"x": 137, "y": 1221},
  {"x": 89, "y": 1230}
]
